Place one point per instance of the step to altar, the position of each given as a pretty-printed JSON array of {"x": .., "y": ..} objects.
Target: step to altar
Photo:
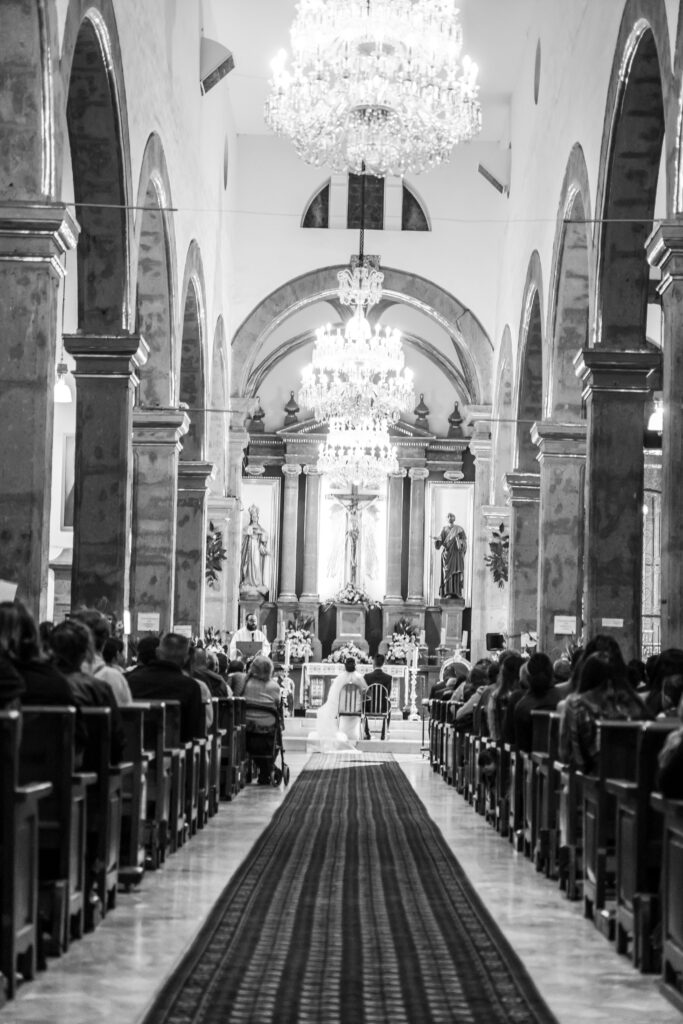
[{"x": 404, "y": 737}]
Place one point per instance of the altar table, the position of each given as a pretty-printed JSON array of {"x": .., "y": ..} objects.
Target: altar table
[{"x": 317, "y": 677}]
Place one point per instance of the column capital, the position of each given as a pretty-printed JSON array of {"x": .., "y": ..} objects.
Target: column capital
[
  {"x": 312, "y": 470},
  {"x": 523, "y": 488},
  {"x": 664, "y": 250},
  {"x": 194, "y": 476},
  {"x": 291, "y": 469},
  {"x": 560, "y": 440},
  {"x": 478, "y": 419},
  {"x": 106, "y": 355},
  {"x": 495, "y": 513},
  {"x": 615, "y": 370},
  {"x": 481, "y": 448},
  {"x": 37, "y": 231},
  {"x": 159, "y": 426},
  {"x": 400, "y": 474},
  {"x": 218, "y": 504},
  {"x": 418, "y": 473}
]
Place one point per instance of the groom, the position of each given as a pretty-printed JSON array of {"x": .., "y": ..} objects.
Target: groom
[{"x": 384, "y": 679}]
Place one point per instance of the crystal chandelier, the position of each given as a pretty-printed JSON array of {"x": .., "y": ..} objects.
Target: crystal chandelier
[
  {"x": 379, "y": 83},
  {"x": 358, "y": 453}
]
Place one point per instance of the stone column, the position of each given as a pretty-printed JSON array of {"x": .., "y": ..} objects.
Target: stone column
[
  {"x": 524, "y": 493},
  {"x": 193, "y": 489},
  {"x": 416, "y": 537},
  {"x": 290, "y": 508},
  {"x": 562, "y": 459},
  {"x": 394, "y": 536},
  {"x": 32, "y": 238},
  {"x": 238, "y": 439},
  {"x": 481, "y": 449},
  {"x": 156, "y": 447},
  {"x": 615, "y": 390},
  {"x": 665, "y": 250},
  {"x": 106, "y": 377},
  {"x": 311, "y": 535},
  {"x": 496, "y": 597},
  {"x": 216, "y": 597}
]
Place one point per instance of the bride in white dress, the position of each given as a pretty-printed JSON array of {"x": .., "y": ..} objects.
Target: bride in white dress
[{"x": 328, "y": 733}]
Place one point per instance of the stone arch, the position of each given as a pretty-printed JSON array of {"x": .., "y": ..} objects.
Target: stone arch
[
  {"x": 640, "y": 120},
  {"x": 155, "y": 276},
  {"x": 530, "y": 374},
  {"x": 29, "y": 143},
  {"x": 469, "y": 338},
  {"x": 191, "y": 377},
  {"x": 503, "y": 429},
  {"x": 217, "y": 415},
  {"x": 98, "y": 139},
  {"x": 571, "y": 293}
]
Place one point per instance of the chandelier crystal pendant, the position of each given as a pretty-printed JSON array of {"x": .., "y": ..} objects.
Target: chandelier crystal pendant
[
  {"x": 358, "y": 453},
  {"x": 376, "y": 83}
]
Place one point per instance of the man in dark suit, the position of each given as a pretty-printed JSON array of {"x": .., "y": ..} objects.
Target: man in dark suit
[
  {"x": 165, "y": 678},
  {"x": 384, "y": 679}
]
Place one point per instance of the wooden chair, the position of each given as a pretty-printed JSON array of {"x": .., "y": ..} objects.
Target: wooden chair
[
  {"x": 19, "y": 841},
  {"x": 376, "y": 709},
  {"x": 350, "y": 712},
  {"x": 47, "y": 754},
  {"x": 105, "y": 799},
  {"x": 134, "y": 805},
  {"x": 671, "y": 813},
  {"x": 639, "y": 850}
]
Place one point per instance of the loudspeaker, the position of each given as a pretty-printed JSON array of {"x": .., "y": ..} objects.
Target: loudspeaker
[
  {"x": 495, "y": 642},
  {"x": 215, "y": 62}
]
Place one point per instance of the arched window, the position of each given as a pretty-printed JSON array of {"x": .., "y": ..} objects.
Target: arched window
[
  {"x": 318, "y": 213},
  {"x": 413, "y": 217}
]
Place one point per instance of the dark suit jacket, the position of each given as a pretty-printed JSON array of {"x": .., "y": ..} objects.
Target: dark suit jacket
[
  {"x": 377, "y": 676},
  {"x": 163, "y": 680}
]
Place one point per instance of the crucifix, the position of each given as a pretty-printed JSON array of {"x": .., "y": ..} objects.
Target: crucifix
[{"x": 354, "y": 505}]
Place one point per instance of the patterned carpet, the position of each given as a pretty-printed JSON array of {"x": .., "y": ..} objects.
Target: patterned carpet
[{"x": 350, "y": 909}]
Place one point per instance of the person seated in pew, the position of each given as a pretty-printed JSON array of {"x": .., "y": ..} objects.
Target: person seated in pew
[
  {"x": 443, "y": 689},
  {"x": 146, "y": 652},
  {"x": 476, "y": 695},
  {"x": 262, "y": 689},
  {"x": 73, "y": 646},
  {"x": 539, "y": 696},
  {"x": 670, "y": 762},
  {"x": 12, "y": 685},
  {"x": 100, "y": 627},
  {"x": 603, "y": 691},
  {"x": 668, "y": 662},
  {"x": 237, "y": 677},
  {"x": 165, "y": 678},
  {"x": 672, "y": 691},
  {"x": 112, "y": 653},
  {"x": 200, "y": 669},
  {"x": 507, "y": 683}
]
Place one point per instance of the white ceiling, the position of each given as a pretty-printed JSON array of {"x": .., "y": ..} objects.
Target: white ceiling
[{"x": 495, "y": 32}]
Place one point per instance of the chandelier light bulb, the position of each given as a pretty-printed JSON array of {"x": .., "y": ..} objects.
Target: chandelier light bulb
[{"x": 380, "y": 86}]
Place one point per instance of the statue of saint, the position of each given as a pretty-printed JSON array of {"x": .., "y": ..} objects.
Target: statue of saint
[
  {"x": 254, "y": 554},
  {"x": 453, "y": 544}
]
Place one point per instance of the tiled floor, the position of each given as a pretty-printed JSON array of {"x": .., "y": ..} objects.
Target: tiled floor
[{"x": 114, "y": 973}]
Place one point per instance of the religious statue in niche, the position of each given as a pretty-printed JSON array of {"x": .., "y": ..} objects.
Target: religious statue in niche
[
  {"x": 254, "y": 554},
  {"x": 452, "y": 542},
  {"x": 353, "y": 555}
]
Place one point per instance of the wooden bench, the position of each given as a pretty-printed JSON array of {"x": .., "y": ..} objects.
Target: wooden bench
[
  {"x": 216, "y": 739},
  {"x": 639, "y": 850},
  {"x": 134, "y": 805},
  {"x": 19, "y": 841},
  {"x": 47, "y": 755},
  {"x": 105, "y": 800},
  {"x": 176, "y": 756},
  {"x": 229, "y": 768},
  {"x": 158, "y": 811},
  {"x": 671, "y": 813},
  {"x": 546, "y": 736}
]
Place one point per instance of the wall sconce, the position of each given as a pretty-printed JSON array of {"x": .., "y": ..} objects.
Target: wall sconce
[{"x": 62, "y": 389}]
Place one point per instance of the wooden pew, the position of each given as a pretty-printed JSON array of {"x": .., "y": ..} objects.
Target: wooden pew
[
  {"x": 134, "y": 805},
  {"x": 241, "y": 735},
  {"x": 176, "y": 757},
  {"x": 229, "y": 771},
  {"x": 617, "y": 760},
  {"x": 105, "y": 799},
  {"x": 546, "y": 735},
  {"x": 516, "y": 797},
  {"x": 639, "y": 849},
  {"x": 19, "y": 840},
  {"x": 671, "y": 813},
  {"x": 47, "y": 754},
  {"x": 216, "y": 739},
  {"x": 502, "y": 794},
  {"x": 158, "y": 811}
]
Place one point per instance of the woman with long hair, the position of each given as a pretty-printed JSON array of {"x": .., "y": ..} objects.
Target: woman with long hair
[{"x": 328, "y": 733}]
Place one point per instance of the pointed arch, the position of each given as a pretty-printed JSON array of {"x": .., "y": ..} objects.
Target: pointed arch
[
  {"x": 529, "y": 376},
  {"x": 191, "y": 372},
  {"x": 503, "y": 430},
  {"x": 217, "y": 423}
]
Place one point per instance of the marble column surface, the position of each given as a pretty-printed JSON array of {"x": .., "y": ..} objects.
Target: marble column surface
[
  {"x": 482, "y": 449},
  {"x": 523, "y": 489},
  {"x": 193, "y": 480},
  {"x": 290, "y": 524},
  {"x": 115, "y": 972},
  {"x": 416, "y": 540},
  {"x": 394, "y": 535},
  {"x": 311, "y": 534}
]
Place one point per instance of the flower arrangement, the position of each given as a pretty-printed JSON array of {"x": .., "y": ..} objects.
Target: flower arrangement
[
  {"x": 215, "y": 556},
  {"x": 349, "y": 650},
  {"x": 351, "y": 594},
  {"x": 213, "y": 640},
  {"x": 300, "y": 641},
  {"x": 403, "y": 641},
  {"x": 498, "y": 558}
]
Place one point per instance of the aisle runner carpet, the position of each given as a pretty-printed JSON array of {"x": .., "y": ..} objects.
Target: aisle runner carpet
[{"x": 350, "y": 908}]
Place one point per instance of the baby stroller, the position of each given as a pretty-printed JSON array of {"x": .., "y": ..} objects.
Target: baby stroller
[{"x": 264, "y": 745}]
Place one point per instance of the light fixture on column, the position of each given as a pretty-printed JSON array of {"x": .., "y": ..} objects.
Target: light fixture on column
[
  {"x": 380, "y": 83},
  {"x": 656, "y": 420},
  {"x": 62, "y": 392}
]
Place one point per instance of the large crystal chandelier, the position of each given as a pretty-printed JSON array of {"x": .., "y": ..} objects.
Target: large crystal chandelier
[
  {"x": 375, "y": 82},
  {"x": 357, "y": 454}
]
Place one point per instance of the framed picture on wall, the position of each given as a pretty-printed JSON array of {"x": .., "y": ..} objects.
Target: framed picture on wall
[
  {"x": 68, "y": 479},
  {"x": 260, "y": 532},
  {"x": 444, "y": 498}
]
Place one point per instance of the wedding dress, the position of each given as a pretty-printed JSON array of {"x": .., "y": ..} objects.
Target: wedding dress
[{"x": 328, "y": 734}]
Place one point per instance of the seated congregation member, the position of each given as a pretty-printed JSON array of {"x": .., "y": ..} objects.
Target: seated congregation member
[
  {"x": 451, "y": 677},
  {"x": 73, "y": 646},
  {"x": 603, "y": 691},
  {"x": 200, "y": 669},
  {"x": 476, "y": 695},
  {"x": 668, "y": 663},
  {"x": 261, "y": 689},
  {"x": 12, "y": 685},
  {"x": 237, "y": 677},
  {"x": 20, "y": 642},
  {"x": 165, "y": 678},
  {"x": 562, "y": 678},
  {"x": 249, "y": 633},
  {"x": 670, "y": 774},
  {"x": 146, "y": 652},
  {"x": 99, "y": 626},
  {"x": 539, "y": 696},
  {"x": 672, "y": 692},
  {"x": 507, "y": 682}
]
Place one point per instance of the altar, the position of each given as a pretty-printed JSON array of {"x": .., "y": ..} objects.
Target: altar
[{"x": 317, "y": 677}]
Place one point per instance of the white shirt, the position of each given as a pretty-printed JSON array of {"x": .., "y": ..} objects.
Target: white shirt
[{"x": 248, "y": 636}]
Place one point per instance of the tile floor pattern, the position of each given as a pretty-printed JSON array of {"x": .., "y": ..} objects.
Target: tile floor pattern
[{"x": 114, "y": 973}]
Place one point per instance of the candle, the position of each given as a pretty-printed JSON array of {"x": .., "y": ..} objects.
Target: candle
[
  {"x": 287, "y": 653},
  {"x": 423, "y": 637},
  {"x": 443, "y": 637},
  {"x": 414, "y": 659}
]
